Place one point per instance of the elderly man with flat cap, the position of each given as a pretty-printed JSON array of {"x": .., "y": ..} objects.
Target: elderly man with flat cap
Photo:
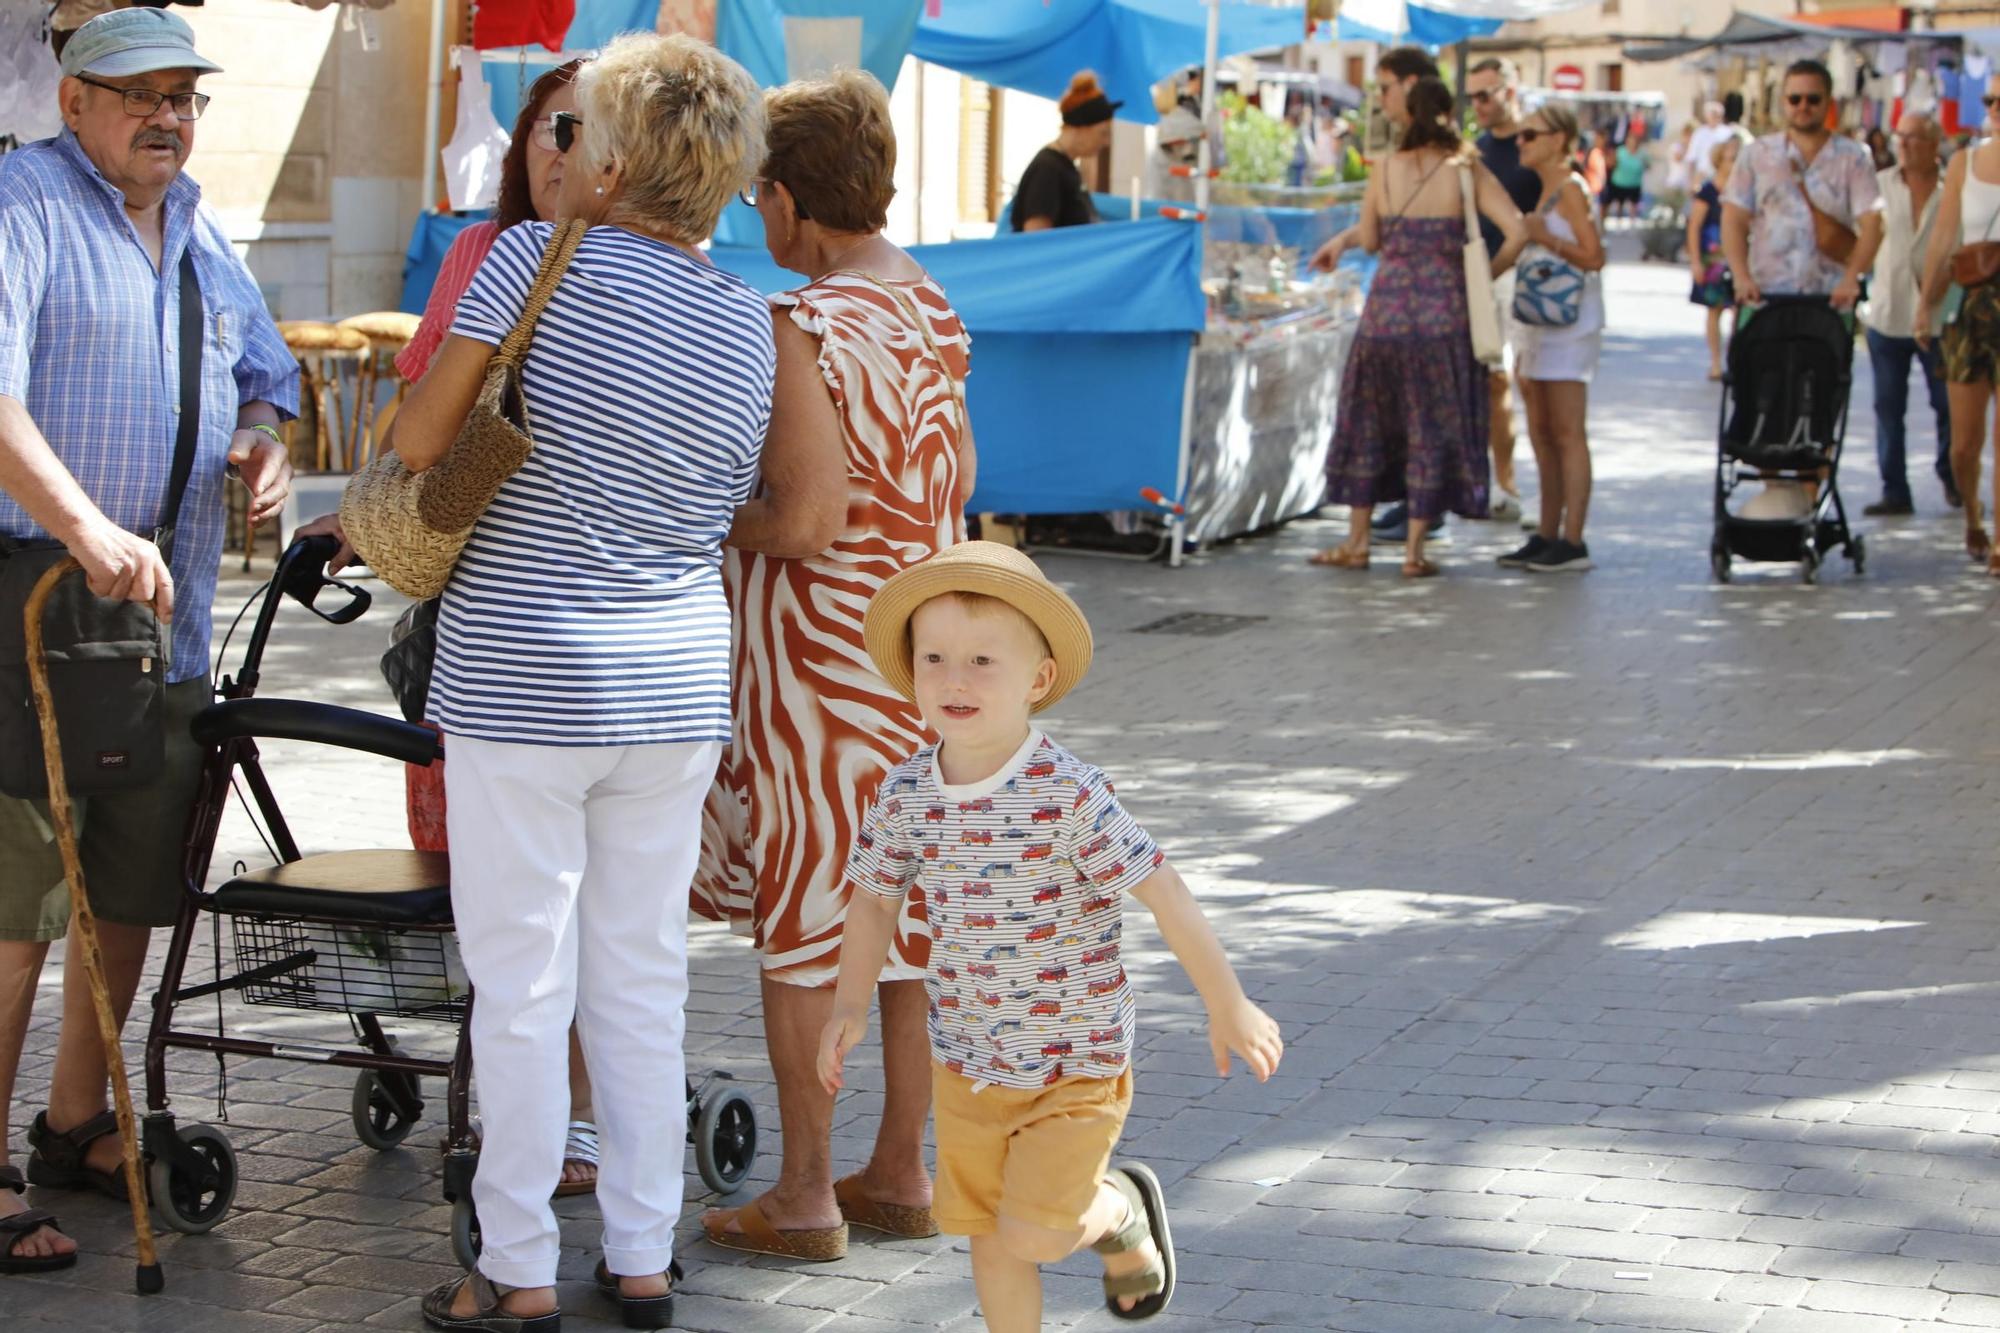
[{"x": 103, "y": 246}]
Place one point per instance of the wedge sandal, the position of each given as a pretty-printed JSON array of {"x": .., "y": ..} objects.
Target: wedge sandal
[
  {"x": 488, "y": 1317},
  {"x": 17, "y": 1227},
  {"x": 58, "y": 1161},
  {"x": 1154, "y": 1284},
  {"x": 641, "y": 1311},
  {"x": 813, "y": 1245},
  {"x": 891, "y": 1219}
]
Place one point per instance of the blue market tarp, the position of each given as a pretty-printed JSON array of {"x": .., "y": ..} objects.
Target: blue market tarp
[
  {"x": 1390, "y": 22},
  {"x": 1081, "y": 338},
  {"x": 433, "y": 236},
  {"x": 1037, "y": 45},
  {"x": 782, "y": 40}
]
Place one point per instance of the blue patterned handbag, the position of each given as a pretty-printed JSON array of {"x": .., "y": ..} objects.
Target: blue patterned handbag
[{"x": 1548, "y": 293}]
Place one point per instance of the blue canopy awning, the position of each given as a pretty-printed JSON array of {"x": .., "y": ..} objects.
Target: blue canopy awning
[{"x": 1035, "y": 46}]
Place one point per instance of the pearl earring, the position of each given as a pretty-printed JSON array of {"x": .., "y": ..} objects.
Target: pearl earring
[{"x": 600, "y": 189}]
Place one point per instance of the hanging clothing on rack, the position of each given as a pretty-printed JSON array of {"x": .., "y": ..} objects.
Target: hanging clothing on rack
[
  {"x": 478, "y": 145},
  {"x": 497, "y": 23}
]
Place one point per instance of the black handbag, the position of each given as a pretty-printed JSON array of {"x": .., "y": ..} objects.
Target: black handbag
[
  {"x": 412, "y": 651},
  {"x": 107, "y": 660}
]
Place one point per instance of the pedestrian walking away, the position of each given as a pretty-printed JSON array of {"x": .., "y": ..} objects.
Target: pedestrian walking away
[
  {"x": 124, "y": 312},
  {"x": 1031, "y": 1014},
  {"x": 1910, "y": 197},
  {"x": 1961, "y": 290}
]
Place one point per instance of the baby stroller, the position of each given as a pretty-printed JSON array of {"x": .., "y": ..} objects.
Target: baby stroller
[
  {"x": 364, "y": 934},
  {"x": 1784, "y": 415}
]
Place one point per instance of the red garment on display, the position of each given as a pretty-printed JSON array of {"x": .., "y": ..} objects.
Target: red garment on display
[{"x": 497, "y": 23}]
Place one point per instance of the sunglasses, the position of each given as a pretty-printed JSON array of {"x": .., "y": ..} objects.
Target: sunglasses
[
  {"x": 1529, "y": 136},
  {"x": 563, "y": 126},
  {"x": 1481, "y": 96},
  {"x": 1805, "y": 99},
  {"x": 1991, "y": 101}
]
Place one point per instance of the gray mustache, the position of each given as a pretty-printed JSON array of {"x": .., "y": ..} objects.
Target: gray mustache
[{"x": 157, "y": 139}]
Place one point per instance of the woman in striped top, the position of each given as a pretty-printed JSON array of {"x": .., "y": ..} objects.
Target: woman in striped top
[{"x": 582, "y": 675}]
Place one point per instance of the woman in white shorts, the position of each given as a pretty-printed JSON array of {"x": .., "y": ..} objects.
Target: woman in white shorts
[{"x": 1554, "y": 363}]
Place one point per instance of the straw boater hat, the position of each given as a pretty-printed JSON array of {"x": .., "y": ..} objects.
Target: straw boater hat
[{"x": 990, "y": 570}]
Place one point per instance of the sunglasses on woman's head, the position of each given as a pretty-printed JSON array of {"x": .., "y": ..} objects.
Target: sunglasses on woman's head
[{"x": 1805, "y": 99}]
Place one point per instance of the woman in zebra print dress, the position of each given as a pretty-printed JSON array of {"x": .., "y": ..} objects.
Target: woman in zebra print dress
[{"x": 865, "y": 472}]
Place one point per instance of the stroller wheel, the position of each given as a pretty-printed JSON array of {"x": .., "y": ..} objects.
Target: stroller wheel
[
  {"x": 1718, "y": 561},
  {"x": 191, "y": 1202},
  {"x": 465, "y": 1243},
  {"x": 378, "y": 1123},
  {"x": 725, "y": 1140}
]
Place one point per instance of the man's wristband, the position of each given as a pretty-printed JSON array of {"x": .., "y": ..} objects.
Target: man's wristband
[{"x": 271, "y": 431}]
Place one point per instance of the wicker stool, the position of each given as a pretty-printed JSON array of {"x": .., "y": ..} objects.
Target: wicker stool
[
  {"x": 388, "y": 332},
  {"x": 322, "y": 349}
]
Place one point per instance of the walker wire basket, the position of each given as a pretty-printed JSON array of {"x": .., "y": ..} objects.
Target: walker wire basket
[{"x": 351, "y": 969}]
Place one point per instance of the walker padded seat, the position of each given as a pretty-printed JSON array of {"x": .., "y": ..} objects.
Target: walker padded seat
[{"x": 377, "y": 888}]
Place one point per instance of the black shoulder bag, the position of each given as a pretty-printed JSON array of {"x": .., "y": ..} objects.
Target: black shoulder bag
[{"x": 107, "y": 660}]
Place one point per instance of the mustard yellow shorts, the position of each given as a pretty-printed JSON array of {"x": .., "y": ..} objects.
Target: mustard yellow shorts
[{"x": 1035, "y": 1154}]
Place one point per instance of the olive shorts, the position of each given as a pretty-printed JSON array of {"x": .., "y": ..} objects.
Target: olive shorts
[
  {"x": 130, "y": 842},
  {"x": 1034, "y": 1154},
  {"x": 1972, "y": 341}
]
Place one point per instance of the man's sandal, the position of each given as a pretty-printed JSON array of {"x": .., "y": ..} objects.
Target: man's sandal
[
  {"x": 1154, "y": 1284},
  {"x": 488, "y": 1317},
  {"x": 19, "y": 1226},
  {"x": 756, "y": 1235},
  {"x": 891, "y": 1219},
  {"x": 59, "y": 1161},
  {"x": 641, "y": 1311},
  {"x": 580, "y": 1146}
]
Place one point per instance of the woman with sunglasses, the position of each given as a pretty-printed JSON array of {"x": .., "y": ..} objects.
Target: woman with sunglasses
[
  {"x": 530, "y": 186},
  {"x": 1767, "y": 225},
  {"x": 1555, "y": 364},
  {"x": 1968, "y": 215},
  {"x": 866, "y": 472}
]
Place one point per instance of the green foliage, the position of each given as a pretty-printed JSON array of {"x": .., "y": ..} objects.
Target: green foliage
[{"x": 1259, "y": 146}]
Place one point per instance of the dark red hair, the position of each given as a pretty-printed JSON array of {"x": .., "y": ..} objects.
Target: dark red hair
[{"x": 517, "y": 201}]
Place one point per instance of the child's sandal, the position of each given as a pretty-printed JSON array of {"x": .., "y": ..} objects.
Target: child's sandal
[{"x": 1154, "y": 1284}]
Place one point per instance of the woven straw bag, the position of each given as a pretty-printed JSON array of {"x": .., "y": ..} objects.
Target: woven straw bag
[{"x": 410, "y": 526}]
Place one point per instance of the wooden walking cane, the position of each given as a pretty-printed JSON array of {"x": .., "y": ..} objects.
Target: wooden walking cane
[{"x": 150, "y": 1278}]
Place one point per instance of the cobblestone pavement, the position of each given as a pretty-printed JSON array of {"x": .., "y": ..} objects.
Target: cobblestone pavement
[{"x": 1632, "y": 935}]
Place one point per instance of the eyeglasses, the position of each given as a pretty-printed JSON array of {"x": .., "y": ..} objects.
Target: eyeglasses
[
  {"x": 1529, "y": 136},
  {"x": 145, "y": 103},
  {"x": 562, "y": 130},
  {"x": 1805, "y": 99},
  {"x": 749, "y": 193}
]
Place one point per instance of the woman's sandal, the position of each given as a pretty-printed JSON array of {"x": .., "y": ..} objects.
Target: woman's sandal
[
  {"x": 1339, "y": 557},
  {"x": 891, "y": 1219},
  {"x": 488, "y": 1317},
  {"x": 813, "y": 1245},
  {"x": 17, "y": 1227},
  {"x": 1154, "y": 1284},
  {"x": 59, "y": 1160},
  {"x": 1420, "y": 569},
  {"x": 642, "y": 1311},
  {"x": 580, "y": 1146}
]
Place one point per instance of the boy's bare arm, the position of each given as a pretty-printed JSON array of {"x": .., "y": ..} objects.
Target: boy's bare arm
[
  {"x": 864, "y": 950},
  {"x": 1234, "y": 1023}
]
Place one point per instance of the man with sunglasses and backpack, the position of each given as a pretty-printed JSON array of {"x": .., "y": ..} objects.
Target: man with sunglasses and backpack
[
  {"x": 138, "y": 370},
  {"x": 1802, "y": 212}
]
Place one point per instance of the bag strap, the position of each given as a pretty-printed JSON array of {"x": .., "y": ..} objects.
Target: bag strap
[
  {"x": 555, "y": 261},
  {"x": 188, "y": 432},
  {"x": 1465, "y": 194},
  {"x": 916, "y": 316},
  {"x": 1397, "y": 216}
]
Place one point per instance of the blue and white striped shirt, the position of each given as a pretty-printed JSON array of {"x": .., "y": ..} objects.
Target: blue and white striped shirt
[
  {"x": 90, "y": 343},
  {"x": 588, "y": 609}
]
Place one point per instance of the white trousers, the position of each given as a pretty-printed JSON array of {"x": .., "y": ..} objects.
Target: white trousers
[{"x": 569, "y": 884}]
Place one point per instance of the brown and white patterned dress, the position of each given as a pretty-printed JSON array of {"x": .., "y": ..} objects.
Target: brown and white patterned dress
[{"x": 815, "y": 727}]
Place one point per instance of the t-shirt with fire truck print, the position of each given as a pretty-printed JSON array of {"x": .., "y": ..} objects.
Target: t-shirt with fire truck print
[{"x": 1025, "y": 877}]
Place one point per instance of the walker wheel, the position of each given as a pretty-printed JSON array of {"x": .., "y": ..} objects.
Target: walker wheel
[
  {"x": 1718, "y": 561},
  {"x": 377, "y": 1122},
  {"x": 1857, "y": 554},
  {"x": 465, "y": 1243},
  {"x": 1809, "y": 567},
  {"x": 186, "y": 1203},
  {"x": 725, "y": 1140}
]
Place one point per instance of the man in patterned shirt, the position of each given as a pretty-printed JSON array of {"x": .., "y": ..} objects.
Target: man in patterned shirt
[
  {"x": 1024, "y": 857},
  {"x": 1767, "y": 224},
  {"x": 94, "y": 225}
]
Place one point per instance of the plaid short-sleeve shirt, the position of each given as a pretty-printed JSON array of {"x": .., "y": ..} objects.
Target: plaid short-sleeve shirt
[{"x": 90, "y": 344}]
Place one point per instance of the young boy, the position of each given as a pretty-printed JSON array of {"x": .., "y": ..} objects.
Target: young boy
[{"x": 1024, "y": 857}]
